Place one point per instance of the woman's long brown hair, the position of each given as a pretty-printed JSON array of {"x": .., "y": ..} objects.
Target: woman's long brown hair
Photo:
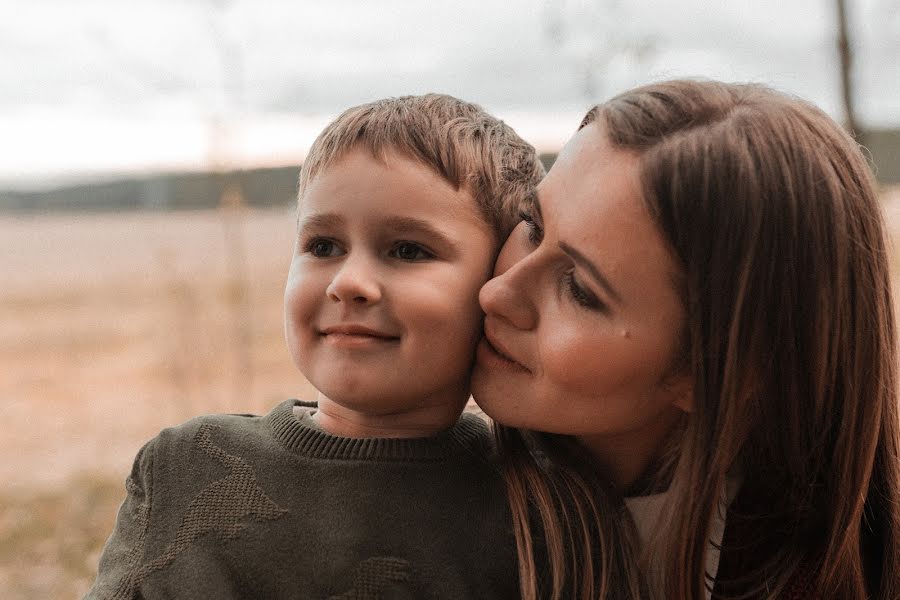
[
  {"x": 772, "y": 211},
  {"x": 586, "y": 546}
]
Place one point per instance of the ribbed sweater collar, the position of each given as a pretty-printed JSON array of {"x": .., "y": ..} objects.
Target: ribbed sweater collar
[{"x": 468, "y": 436}]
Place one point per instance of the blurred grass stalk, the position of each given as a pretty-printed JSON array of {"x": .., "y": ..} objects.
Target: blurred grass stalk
[{"x": 232, "y": 208}]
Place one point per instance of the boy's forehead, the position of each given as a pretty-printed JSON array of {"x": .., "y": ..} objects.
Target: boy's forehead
[
  {"x": 360, "y": 171},
  {"x": 387, "y": 156}
]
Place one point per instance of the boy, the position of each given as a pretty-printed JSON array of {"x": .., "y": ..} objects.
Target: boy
[{"x": 379, "y": 489}]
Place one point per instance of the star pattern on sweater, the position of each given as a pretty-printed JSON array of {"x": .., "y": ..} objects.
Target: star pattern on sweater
[
  {"x": 373, "y": 576},
  {"x": 223, "y": 508}
]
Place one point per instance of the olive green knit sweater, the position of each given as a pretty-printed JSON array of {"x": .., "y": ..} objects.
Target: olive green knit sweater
[{"x": 240, "y": 506}]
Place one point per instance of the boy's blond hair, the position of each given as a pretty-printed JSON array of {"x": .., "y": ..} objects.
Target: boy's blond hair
[{"x": 458, "y": 140}]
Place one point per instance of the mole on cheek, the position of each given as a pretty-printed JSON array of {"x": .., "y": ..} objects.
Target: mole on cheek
[{"x": 625, "y": 334}]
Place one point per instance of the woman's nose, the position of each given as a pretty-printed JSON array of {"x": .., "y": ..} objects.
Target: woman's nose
[
  {"x": 355, "y": 282},
  {"x": 508, "y": 296}
]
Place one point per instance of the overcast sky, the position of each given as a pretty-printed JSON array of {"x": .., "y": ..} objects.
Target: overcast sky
[{"x": 102, "y": 86}]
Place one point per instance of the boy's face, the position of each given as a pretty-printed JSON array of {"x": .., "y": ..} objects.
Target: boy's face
[{"x": 381, "y": 302}]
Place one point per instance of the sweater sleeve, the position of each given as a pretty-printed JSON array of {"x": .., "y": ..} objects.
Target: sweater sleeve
[{"x": 124, "y": 549}]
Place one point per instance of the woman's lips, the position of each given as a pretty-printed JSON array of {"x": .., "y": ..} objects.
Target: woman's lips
[{"x": 493, "y": 352}]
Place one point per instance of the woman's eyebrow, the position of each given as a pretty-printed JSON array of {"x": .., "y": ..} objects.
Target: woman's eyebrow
[
  {"x": 580, "y": 258},
  {"x": 592, "y": 269}
]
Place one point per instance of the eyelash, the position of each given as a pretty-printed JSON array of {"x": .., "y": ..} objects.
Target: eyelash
[
  {"x": 422, "y": 252},
  {"x": 581, "y": 296},
  {"x": 535, "y": 233},
  {"x": 310, "y": 246},
  {"x": 426, "y": 254}
]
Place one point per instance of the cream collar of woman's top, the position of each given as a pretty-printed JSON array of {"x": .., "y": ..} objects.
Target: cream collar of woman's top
[{"x": 648, "y": 510}]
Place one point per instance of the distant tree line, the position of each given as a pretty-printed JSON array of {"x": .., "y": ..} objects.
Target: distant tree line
[
  {"x": 272, "y": 186},
  {"x": 163, "y": 191}
]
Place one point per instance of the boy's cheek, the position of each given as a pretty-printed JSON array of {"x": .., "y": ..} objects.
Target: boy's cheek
[
  {"x": 300, "y": 280},
  {"x": 296, "y": 269},
  {"x": 455, "y": 319},
  {"x": 299, "y": 305}
]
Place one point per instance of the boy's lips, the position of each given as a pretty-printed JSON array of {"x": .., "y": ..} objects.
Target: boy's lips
[{"x": 355, "y": 336}]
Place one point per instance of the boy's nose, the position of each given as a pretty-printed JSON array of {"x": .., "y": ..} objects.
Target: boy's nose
[{"x": 355, "y": 282}]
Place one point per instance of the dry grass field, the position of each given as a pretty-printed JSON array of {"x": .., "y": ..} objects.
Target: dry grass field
[{"x": 113, "y": 326}]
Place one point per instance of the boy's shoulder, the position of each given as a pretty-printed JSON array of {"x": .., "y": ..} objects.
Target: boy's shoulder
[
  {"x": 217, "y": 436},
  {"x": 227, "y": 423}
]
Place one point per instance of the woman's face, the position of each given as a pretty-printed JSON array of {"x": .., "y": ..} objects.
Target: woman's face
[{"x": 583, "y": 320}]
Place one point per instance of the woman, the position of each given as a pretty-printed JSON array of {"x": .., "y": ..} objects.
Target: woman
[{"x": 698, "y": 305}]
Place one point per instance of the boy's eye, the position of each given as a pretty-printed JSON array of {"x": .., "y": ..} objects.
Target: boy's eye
[
  {"x": 535, "y": 233},
  {"x": 322, "y": 248},
  {"x": 410, "y": 251}
]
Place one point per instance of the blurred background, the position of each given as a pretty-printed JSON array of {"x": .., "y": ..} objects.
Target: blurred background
[{"x": 148, "y": 161}]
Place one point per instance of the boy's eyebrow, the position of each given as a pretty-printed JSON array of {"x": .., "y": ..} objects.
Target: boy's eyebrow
[{"x": 320, "y": 221}]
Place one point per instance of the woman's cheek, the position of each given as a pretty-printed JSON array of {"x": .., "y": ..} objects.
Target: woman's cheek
[
  {"x": 580, "y": 361},
  {"x": 567, "y": 358}
]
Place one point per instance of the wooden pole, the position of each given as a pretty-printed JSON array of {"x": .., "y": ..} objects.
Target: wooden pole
[{"x": 845, "y": 51}]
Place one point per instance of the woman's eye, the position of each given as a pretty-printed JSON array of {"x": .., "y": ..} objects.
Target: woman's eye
[
  {"x": 535, "y": 233},
  {"x": 322, "y": 248},
  {"x": 582, "y": 296},
  {"x": 410, "y": 251}
]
